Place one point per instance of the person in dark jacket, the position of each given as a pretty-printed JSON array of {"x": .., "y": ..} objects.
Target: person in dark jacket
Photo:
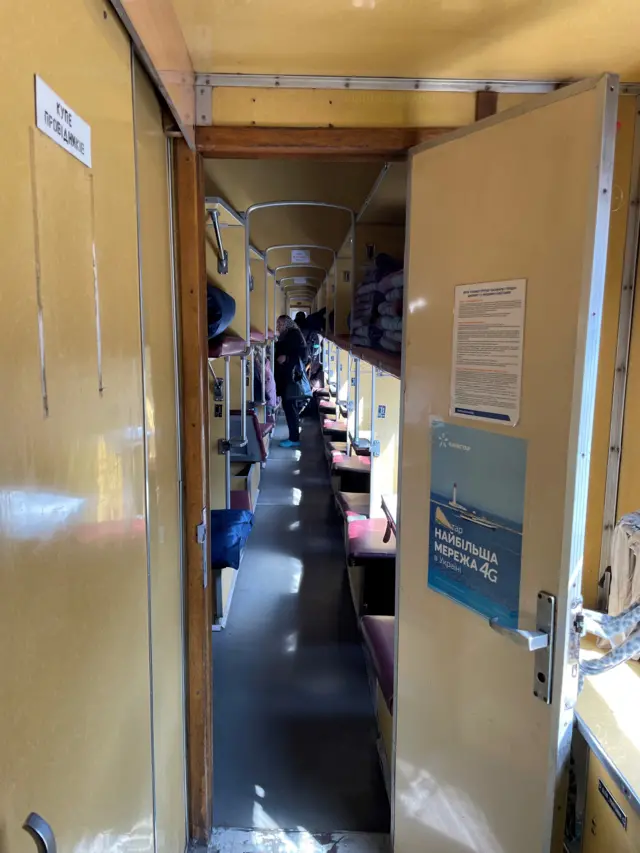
[{"x": 291, "y": 350}]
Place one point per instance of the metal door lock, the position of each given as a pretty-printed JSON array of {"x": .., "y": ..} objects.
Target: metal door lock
[{"x": 540, "y": 641}]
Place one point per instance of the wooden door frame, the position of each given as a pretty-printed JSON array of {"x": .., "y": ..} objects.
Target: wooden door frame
[
  {"x": 358, "y": 144},
  {"x": 361, "y": 144},
  {"x": 192, "y": 283}
]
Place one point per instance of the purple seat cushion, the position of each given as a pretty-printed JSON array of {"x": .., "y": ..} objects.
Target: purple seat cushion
[
  {"x": 379, "y": 637},
  {"x": 357, "y": 464},
  {"x": 336, "y": 447},
  {"x": 334, "y": 426},
  {"x": 353, "y": 504},
  {"x": 240, "y": 500},
  {"x": 365, "y": 540},
  {"x": 327, "y": 406},
  {"x": 266, "y": 429},
  {"x": 323, "y": 393}
]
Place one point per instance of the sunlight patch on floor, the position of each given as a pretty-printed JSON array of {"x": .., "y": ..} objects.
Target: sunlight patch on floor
[{"x": 275, "y": 840}]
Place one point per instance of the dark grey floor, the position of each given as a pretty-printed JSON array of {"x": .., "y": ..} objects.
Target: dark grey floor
[{"x": 294, "y": 730}]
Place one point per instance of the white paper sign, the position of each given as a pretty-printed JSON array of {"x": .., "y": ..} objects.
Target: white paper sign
[
  {"x": 59, "y": 122},
  {"x": 488, "y": 331},
  {"x": 299, "y": 281},
  {"x": 300, "y": 256}
]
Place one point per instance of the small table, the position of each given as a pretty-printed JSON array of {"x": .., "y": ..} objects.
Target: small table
[{"x": 390, "y": 508}]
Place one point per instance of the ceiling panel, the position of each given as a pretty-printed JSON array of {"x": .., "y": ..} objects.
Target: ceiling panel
[
  {"x": 388, "y": 204},
  {"x": 552, "y": 39},
  {"x": 246, "y": 182}
]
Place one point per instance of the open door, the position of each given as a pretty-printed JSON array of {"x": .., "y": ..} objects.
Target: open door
[{"x": 508, "y": 224}]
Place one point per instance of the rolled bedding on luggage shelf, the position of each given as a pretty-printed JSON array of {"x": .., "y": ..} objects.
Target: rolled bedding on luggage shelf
[
  {"x": 391, "y": 344},
  {"x": 376, "y": 320},
  {"x": 390, "y": 324}
]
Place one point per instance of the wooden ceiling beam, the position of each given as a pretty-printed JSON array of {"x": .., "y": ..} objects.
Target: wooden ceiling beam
[
  {"x": 486, "y": 104},
  {"x": 338, "y": 143}
]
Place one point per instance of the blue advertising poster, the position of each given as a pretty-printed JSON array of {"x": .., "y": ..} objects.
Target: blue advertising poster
[{"x": 476, "y": 514}]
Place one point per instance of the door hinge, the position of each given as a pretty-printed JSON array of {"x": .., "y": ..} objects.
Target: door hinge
[{"x": 375, "y": 448}]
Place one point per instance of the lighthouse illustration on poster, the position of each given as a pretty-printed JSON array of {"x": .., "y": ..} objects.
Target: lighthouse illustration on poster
[{"x": 476, "y": 517}]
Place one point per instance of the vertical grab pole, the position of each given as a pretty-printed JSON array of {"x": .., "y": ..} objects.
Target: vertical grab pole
[
  {"x": 252, "y": 372},
  {"x": 275, "y": 323},
  {"x": 356, "y": 406},
  {"x": 335, "y": 289},
  {"x": 243, "y": 395},
  {"x": 243, "y": 360},
  {"x": 266, "y": 338},
  {"x": 350, "y": 403},
  {"x": 352, "y": 273},
  {"x": 372, "y": 435},
  {"x": 333, "y": 366},
  {"x": 227, "y": 433}
]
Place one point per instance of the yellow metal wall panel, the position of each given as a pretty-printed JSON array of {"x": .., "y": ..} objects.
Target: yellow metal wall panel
[
  {"x": 164, "y": 519},
  {"x": 280, "y": 302},
  {"x": 234, "y": 281},
  {"x": 344, "y": 293},
  {"x": 603, "y": 831},
  {"x": 74, "y": 650},
  {"x": 340, "y": 108},
  {"x": 628, "y": 496},
  {"x": 271, "y": 295},
  {"x": 386, "y": 425},
  {"x": 606, "y": 366},
  {"x": 217, "y": 465},
  {"x": 257, "y": 296},
  {"x": 381, "y": 238},
  {"x": 410, "y": 38},
  {"x": 236, "y": 381}
]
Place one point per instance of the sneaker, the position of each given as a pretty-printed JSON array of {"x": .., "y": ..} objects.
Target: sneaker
[{"x": 288, "y": 443}]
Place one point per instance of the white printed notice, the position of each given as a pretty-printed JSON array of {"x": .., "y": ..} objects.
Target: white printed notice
[
  {"x": 59, "y": 122},
  {"x": 300, "y": 256},
  {"x": 488, "y": 330}
]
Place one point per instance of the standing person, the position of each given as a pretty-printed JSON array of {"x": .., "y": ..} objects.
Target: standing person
[
  {"x": 291, "y": 357},
  {"x": 313, "y": 341}
]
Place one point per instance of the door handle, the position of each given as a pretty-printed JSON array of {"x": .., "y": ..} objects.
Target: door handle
[
  {"x": 540, "y": 641},
  {"x": 529, "y": 640},
  {"x": 41, "y": 832}
]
